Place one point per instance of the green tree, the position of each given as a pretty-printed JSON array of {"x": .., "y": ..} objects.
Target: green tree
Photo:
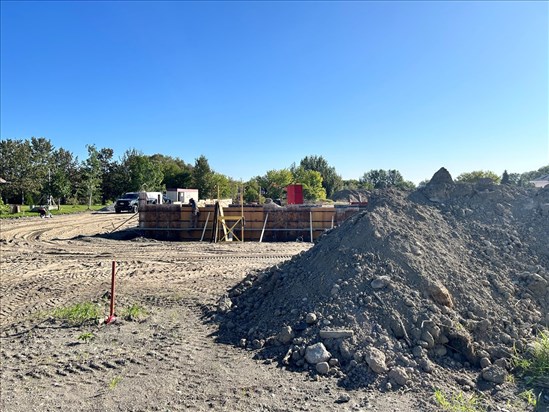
[
  {"x": 351, "y": 184},
  {"x": 275, "y": 181},
  {"x": 374, "y": 179},
  {"x": 311, "y": 181},
  {"x": 202, "y": 178},
  {"x": 514, "y": 179},
  {"x": 331, "y": 181},
  {"x": 142, "y": 173},
  {"x": 26, "y": 164},
  {"x": 177, "y": 174},
  {"x": 40, "y": 169},
  {"x": 526, "y": 177},
  {"x": 505, "y": 180},
  {"x": 16, "y": 168},
  {"x": 64, "y": 175},
  {"x": 252, "y": 191},
  {"x": 406, "y": 185},
  {"x": 381, "y": 179},
  {"x": 108, "y": 167},
  {"x": 222, "y": 185},
  {"x": 91, "y": 174},
  {"x": 477, "y": 175}
]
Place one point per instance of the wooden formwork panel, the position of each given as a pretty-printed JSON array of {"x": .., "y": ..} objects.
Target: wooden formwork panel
[{"x": 282, "y": 224}]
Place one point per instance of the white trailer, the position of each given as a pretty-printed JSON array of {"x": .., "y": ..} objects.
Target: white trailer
[{"x": 182, "y": 195}]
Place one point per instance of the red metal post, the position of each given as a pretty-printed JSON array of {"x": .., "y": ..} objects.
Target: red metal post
[{"x": 111, "y": 317}]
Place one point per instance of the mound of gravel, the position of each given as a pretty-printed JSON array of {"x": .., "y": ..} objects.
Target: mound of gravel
[
  {"x": 437, "y": 285},
  {"x": 351, "y": 195}
]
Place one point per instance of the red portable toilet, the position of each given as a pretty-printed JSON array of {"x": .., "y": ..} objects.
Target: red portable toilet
[{"x": 294, "y": 195}]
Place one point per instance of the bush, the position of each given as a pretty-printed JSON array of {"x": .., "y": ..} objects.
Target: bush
[{"x": 4, "y": 209}]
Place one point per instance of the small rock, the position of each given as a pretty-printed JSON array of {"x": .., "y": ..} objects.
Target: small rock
[
  {"x": 310, "y": 318},
  {"x": 345, "y": 350},
  {"x": 323, "y": 368},
  {"x": 443, "y": 339},
  {"x": 380, "y": 282},
  {"x": 285, "y": 335},
  {"x": 495, "y": 374},
  {"x": 502, "y": 363},
  {"x": 418, "y": 351},
  {"x": 409, "y": 302},
  {"x": 416, "y": 251},
  {"x": 440, "y": 294},
  {"x": 427, "y": 337},
  {"x": 440, "y": 350},
  {"x": 485, "y": 362},
  {"x": 224, "y": 305},
  {"x": 343, "y": 398},
  {"x": 399, "y": 375},
  {"x": 316, "y": 353},
  {"x": 376, "y": 360},
  {"x": 464, "y": 381},
  {"x": 426, "y": 365}
]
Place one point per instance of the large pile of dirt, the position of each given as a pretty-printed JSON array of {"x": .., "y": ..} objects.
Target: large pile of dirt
[{"x": 427, "y": 288}]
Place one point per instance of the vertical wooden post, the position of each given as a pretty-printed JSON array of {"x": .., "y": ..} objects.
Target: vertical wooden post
[
  {"x": 205, "y": 225},
  {"x": 311, "y": 224},
  {"x": 264, "y": 225}
]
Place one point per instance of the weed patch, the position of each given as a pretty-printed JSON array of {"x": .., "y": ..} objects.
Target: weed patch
[
  {"x": 530, "y": 397},
  {"x": 79, "y": 313},
  {"x": 458, "y": 402},
  {"x": 114, "y": 382},
  {"x": 86, "y": 337},
  {"x": 133, "y": 312},
  {"x": 533, "y": 364}
]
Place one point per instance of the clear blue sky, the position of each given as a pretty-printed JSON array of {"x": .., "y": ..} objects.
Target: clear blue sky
[{"x": 256, "y": 86}]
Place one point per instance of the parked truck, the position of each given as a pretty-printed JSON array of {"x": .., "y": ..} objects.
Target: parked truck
[{"x": 129, "y": 202}]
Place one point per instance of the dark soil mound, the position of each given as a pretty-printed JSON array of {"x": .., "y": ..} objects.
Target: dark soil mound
[
  {"x": 443, "y": 176},
  {"x": 434, "y": 287}
]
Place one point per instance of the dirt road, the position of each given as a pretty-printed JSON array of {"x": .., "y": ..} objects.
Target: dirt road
[{"x": 168, "y": 360}]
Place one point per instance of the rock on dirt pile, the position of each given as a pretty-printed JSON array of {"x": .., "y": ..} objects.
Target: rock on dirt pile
[{"x": 449, "y": 277}]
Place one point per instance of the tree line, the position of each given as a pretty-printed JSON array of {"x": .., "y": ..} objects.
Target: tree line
[{"x": 35, "y": 170}]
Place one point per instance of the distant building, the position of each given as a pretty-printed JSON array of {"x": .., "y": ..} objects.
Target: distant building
[{"x": 541, "y": 181}]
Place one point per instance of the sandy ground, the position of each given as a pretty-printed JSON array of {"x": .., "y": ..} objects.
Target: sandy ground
[{"x": 168, "y": 360}]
